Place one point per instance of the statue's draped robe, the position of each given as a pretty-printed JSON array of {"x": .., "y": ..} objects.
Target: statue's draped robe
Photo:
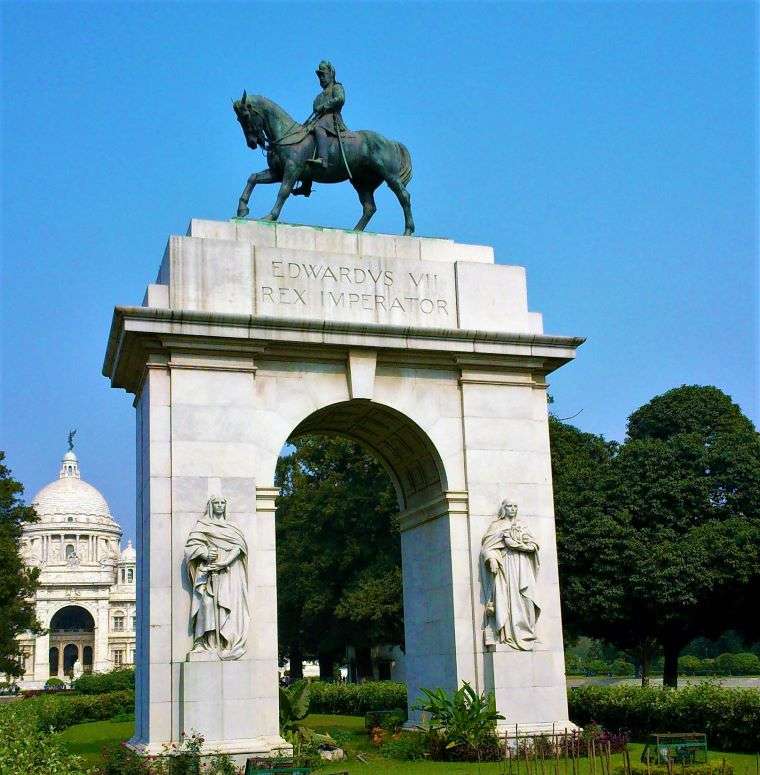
[
  {"x": 222, "y": 593},
  {"x": 512, "y": 589}
]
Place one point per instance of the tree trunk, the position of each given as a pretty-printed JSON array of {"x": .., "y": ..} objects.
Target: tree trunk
[
  {"x": 326, "y": 667},
  {"x": 671, "y": 650},
  {"x": 645, "y": 663},
  {"x": 364, "y": 664},
  {"x": 296, "y": 662}
]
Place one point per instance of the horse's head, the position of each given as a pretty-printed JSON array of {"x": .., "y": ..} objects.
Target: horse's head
[{"x": 251, "y": 121}]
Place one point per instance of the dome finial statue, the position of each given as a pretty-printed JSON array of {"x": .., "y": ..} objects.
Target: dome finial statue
[{"x": 72, "y": 433}]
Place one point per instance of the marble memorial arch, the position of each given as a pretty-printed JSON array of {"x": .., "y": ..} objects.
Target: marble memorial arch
[{"x": 423, "y": 350}]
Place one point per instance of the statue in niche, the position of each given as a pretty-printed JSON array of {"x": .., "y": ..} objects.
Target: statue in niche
[
  {"x": 509, "y": 567},
  {"x": 216, "y": 555}
]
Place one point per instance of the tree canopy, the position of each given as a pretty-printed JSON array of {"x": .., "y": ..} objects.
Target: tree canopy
[
  {"x": 659, "y": 537},
  {"x": 338, "y": 552},
  {"x": 17, "y": 581}
]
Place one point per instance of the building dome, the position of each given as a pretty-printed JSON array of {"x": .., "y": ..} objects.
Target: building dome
[
  {"x": 128, "y": 553},
  {"x": 70, "y": 499}
]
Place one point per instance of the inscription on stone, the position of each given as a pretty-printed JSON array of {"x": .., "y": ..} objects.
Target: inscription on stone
[{"x": 341, "y": 287}]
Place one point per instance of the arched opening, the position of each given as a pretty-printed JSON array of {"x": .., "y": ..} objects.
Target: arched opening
[
  {"x": 398, "y": 442},
  {"x": 70, "y": 656},
  {"x": 378, "y": 447},
  {"x": 53, "y": 661},
  {"x": 72, "y": 631},
  {"x": 87, "y": 659},
  {"x": 72, "y": 618}
]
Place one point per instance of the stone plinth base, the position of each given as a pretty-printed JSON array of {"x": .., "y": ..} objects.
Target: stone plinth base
[{"x": 238, "y": 750}]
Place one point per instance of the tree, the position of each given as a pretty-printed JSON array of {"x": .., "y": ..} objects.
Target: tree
[
  {"x": 18, "y": 582},
  {"x": 338, "y": 553},
  {"x": 667, "y": 543}
]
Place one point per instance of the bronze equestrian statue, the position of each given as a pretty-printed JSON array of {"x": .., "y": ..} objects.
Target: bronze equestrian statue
[{"x": 322, "y": 150}]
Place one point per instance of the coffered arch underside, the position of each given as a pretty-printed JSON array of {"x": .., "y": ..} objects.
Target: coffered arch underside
[{"x": 401, "y": 445}]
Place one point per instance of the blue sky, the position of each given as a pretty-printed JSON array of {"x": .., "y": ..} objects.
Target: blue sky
[{"x": 608, "y": 147}]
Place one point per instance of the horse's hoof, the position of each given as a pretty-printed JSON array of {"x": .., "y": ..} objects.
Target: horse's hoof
[
  {"x": 408, "y": 232},
  {"x": 269, "y": 217},
  {"x": 242, "y": 212}
]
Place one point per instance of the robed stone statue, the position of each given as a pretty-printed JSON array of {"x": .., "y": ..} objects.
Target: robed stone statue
[
  {"x": 509, "y": 568},
  {"x": 216, "y": 555}
]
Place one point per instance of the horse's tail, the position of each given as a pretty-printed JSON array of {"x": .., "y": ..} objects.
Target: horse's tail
[{"x": 406, "y": 163}]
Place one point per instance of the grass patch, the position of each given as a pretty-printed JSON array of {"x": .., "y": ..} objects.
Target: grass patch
[{"x": 87, "y": 740}]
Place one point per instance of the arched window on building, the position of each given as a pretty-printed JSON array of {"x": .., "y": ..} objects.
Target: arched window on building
[
  {"x": 122, "y": 576},
  {"x": 130, "y": 576},
  {"x": 87, "y": 659},
  {"x": 70, "y": 656},
  {"x": 118, "y": 621},
  {"x": 70, "y": 551},
  {"x": 53, "y": 661}
]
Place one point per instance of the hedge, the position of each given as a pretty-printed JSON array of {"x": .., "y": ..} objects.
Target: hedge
[
  {"x": 102, "y": 683},
  {"x": 60, "y": 712},
  {"x": 730, "y": 717},
  {"x": 356, "y": 699}
]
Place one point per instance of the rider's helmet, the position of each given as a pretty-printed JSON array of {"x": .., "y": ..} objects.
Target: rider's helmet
[{"x": 325, "y": 67}]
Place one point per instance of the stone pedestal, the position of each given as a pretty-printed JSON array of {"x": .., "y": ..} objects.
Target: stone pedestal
[{"x": 424, "y": 351}]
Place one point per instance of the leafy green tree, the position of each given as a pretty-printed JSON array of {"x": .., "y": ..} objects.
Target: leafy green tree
[
  {"x": 664, "y": 543},
  {"x": 338, "y": 553},
  {"x": 18, "y": 582}
]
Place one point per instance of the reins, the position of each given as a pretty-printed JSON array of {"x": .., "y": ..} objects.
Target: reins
[{"x": 294, "y": 128}]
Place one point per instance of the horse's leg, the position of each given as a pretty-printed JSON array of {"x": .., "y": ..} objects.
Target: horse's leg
[
  {"x": 265, "y": 176},
  {"x": 289, "y": 178},
  {"x": 366, "y": 194},
  {"x": 405, "y": 200}
]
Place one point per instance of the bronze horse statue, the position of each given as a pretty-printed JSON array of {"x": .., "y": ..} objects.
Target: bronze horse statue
[{"x": 365, "y": 158}]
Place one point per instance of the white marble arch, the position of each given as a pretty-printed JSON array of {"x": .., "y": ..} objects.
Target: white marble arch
[
  {"x": 223, "y": 377},
  {"x": 435, "y": 655}
]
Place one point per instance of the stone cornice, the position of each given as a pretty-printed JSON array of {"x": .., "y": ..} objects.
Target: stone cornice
[{"x": 137, "y": 332}]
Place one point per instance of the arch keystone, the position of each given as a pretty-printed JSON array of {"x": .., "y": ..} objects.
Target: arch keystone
[{"x": 361, "y": 373}]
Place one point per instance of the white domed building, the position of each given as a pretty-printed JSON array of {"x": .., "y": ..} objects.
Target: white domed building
[{"x": 86, "y": 596}]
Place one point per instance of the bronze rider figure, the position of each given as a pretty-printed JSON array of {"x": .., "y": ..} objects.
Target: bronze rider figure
[{"x": 326, "y": 118}]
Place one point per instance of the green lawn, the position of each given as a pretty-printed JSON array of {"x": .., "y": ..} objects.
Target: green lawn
[{"x": 88, "y": 739}]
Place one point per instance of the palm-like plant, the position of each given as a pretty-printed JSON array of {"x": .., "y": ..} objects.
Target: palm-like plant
[
  {"x": 465, "y": 717},
  {"x": 294, "y": 707}
]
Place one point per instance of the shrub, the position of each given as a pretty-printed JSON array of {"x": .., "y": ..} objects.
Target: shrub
[
  {"x": 102, "y": 683},
  {"x": 60, "y": 712},
  {"x": 738, "y": 664},
  {"x": 185, "y": 759},
  {"x": 596, "y": 667},
  {"x": 54, "y": 682},
  {"x": 729, "y": 717},
  {"x": 119, "y": 760},
  {"x": 24, "y": 749},
  {"x": 689, "y": 665},
  {"x": 408, "y": 746},
  {"x": 622, "y": 667},
  {"x": 389, "y": 720},
  {"x": 356, "y": 699}
]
